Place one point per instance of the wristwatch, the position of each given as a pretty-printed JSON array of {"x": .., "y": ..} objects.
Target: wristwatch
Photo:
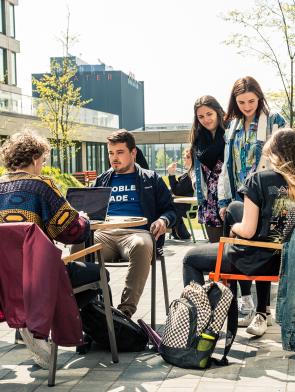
[{"x": 166, "y": 220}]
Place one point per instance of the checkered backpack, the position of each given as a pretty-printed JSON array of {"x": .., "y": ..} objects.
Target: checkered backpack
[{"x": 193, "y": 325}]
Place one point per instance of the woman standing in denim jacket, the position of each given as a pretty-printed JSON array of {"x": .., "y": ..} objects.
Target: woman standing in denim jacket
[
  {"x": 250, "y": 124},
  {"x": 207, "y": 140}
]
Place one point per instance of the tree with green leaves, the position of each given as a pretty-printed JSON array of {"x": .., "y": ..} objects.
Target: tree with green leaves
[
  {"x": 60, "y": 102},
  {"x": 269, "y": 34}
]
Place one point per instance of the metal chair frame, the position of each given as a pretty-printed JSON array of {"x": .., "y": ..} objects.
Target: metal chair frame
[
  {"x": 194, "y": 210},
  {"x": 103, "y": 284}
]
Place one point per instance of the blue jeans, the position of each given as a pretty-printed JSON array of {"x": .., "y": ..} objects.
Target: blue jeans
[{"x": 285, "y": 312}]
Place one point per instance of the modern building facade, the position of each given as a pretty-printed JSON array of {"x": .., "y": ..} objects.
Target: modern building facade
[
  {"x": 118, "y": 102},
  {"x": 9, "y": 47},
  {"x": 110, "y": 91}
]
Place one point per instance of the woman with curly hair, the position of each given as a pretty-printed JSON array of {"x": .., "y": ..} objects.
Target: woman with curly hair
[{"x": 28, "y": 196}]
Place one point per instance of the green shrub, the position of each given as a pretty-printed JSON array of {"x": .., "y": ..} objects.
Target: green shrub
[{"x": 62, "y": 180}]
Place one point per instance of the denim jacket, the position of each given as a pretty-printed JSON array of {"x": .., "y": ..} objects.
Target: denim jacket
[
  {"x": 201, "y": 186},
  {"x": 226, "y": 182},
  {"x": 285, "y": 309}
]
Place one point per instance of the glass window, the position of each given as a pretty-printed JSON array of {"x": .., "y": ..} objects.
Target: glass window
[
  {"x": 3, "y": 65},
  {"x": 2, "y": 17},
  {"x": 13, "y": 69},
  {"x": 159, "y": 156},
  {"x": 11, "y": 21},
  {"x": 75, "y": 158},
  {"x": 96, "y": 158}
]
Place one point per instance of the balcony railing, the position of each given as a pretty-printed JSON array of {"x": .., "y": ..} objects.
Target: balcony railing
[{"x": 26, "y": 105}]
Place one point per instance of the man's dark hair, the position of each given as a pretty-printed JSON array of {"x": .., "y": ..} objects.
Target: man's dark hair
[{"x": 122, "y": 136}]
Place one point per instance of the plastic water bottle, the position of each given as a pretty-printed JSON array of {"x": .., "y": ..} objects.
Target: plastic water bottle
[{"x": 206, "y": 343}]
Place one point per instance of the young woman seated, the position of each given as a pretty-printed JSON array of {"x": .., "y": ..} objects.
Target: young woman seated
[
  {"x": 181, "y": 186},
  {"x": 268, "y": 202},
  {"x": 28, "y": 196}
]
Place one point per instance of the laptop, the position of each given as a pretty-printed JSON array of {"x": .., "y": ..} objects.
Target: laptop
[{"x": 94, "y": 201}]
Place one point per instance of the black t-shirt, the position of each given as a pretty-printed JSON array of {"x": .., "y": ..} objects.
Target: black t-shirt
[{"x": 269, "y": 191}]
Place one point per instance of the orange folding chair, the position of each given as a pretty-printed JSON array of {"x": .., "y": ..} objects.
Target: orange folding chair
[{"x": 224, "y": 277}]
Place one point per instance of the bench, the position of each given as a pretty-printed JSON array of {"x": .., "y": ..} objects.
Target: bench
[
  {"x": 90, "y": 177},
  {"x": 86, "y": 177}
]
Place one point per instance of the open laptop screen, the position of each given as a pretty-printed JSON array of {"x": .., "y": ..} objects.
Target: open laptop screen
[{"x": 93, "y": 201}]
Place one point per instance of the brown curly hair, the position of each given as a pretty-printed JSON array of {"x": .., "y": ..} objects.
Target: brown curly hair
[
  {"x": 18, "y": 150},
  {"x": 280, "y": 151}
]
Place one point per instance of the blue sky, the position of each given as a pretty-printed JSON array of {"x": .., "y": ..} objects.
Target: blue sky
[{"x": 174, "y": 46}]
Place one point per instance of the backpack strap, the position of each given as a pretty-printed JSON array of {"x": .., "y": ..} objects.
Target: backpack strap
[{"x": 224, "y": 305}]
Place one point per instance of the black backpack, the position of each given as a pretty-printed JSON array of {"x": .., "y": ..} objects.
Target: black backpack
[
  {"x": 193, "y": 325},
  {"x": 129, "y": 335}
]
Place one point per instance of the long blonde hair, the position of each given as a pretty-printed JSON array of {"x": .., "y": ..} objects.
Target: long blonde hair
[{"x": 280, "y": 150}]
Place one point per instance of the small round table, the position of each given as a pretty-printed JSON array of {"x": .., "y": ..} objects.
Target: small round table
[
  {"x": 185, "y": 200},
  {"x": 117, "y": 222}
]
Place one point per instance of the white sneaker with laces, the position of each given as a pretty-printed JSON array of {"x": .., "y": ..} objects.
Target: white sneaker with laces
[
  {"x": 245, "y": 321},
  {"x": 39, "y": 348},
  {"x": 246, "y": 304},
  {"x": 258, "y": 325}
]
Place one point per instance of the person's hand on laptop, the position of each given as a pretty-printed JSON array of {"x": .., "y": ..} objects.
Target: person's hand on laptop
[{"x": 158, "y": 228}]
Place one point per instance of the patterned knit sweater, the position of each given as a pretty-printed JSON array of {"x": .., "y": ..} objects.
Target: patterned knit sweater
[{"x": 26, "y": 197}]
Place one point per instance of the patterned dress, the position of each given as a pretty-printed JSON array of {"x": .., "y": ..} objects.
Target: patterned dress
[{"x": 208, "y": 211}]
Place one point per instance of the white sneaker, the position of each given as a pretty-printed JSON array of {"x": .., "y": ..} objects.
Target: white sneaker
[
  {"x": 246, "y": 304},
  {"x": 269, "y": 320},
  {"x": 246, "y": 320},
  {"x": 39, "y": 348},
  {"x": 40, "y": 361},
  {"x": 258, "y": 325}
]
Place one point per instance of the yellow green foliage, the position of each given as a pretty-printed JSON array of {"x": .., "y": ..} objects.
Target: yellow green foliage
[{"x": 62, "y": 180}]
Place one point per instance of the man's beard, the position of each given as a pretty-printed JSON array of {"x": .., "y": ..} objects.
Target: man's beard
[{"x": 122, "y": 170}]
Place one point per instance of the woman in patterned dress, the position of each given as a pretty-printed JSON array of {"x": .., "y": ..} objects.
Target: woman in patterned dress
[{"x": 207, "y": 140}]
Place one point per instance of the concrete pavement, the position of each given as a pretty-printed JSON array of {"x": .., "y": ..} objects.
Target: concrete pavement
[{"x": 256, "y": 364}]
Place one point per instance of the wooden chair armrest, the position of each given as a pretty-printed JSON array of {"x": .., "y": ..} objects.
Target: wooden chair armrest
[
  {"x": 81, "y": 253},
  {"x": 260, "y": 244}
]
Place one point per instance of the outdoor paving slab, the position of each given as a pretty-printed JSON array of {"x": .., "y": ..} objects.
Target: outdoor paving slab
[
  {"x": 255, "y": 364},
  {"x": 180, "y": 389},
  {"x": 135, "y": 386},
  {"x": 92, "y": 386},
  {"x": 96, "y": 375},
  {"x": 140, "y": 374},
  {"x": 259, "y": 388},
  {"x": 205, "y": 386},
  {"x": 181, "y": 382},
  {"x": 266, "y": 378}
]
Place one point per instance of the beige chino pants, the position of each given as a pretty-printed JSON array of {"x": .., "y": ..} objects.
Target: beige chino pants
[{"x": 135, "y": 246}]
